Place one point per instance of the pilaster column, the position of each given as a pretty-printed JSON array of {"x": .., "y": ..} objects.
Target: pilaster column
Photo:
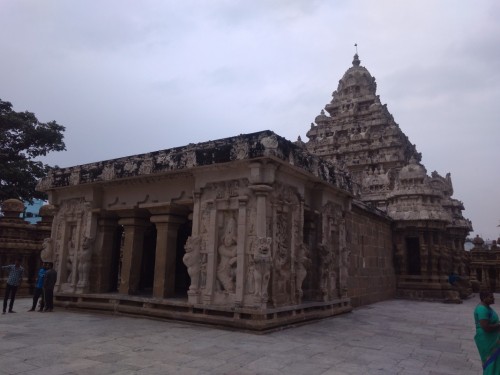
[
  {"x": 166, "y": 248},
  {"x": 261, "y": 191},
  {"x": 424, "y": 254},
  {"x": 211, "y": 253},
  {"x": 104, "y": 246},
  {"x": 132, "y": 254},
  {"x": 240, "y": 251}
]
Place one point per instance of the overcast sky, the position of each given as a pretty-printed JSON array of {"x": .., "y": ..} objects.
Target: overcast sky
[{"x": 128, "y": 77}]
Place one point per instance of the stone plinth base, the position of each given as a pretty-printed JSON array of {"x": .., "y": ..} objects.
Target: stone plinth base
[
  {"x": 177, "y": 309},
  {"x": 427, "y": 288}
]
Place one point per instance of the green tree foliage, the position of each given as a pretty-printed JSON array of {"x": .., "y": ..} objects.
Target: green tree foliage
[{"x": 22, "y": 139}]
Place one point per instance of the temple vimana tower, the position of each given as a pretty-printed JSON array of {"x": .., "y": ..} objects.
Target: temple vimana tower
[
  {"x": 428, "y": 227},
  {"x": 255, "y": 231}
]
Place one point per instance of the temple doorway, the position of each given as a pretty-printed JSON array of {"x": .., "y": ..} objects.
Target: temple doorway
[
  {"x": 182, "y": 280},
  {"x": 413, "y": 255},
  {"x": 148, "y": 261}
]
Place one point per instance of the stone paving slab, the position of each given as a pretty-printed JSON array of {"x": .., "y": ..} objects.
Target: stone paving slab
[{"x": 396, "y": 337}]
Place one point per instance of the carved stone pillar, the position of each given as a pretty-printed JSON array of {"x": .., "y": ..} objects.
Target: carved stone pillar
[
  {"x": 240, "y": 250},
  {"x": 261, "y": 192},
  {"x": 196, "y": 213},
  {"x": 211, "y": 254},
  {"x": 104, "y": 244},
  {"x": 132, "y": 254},
  {"x": 166, "y": 247},
  {"x": 424, "y": 254}
]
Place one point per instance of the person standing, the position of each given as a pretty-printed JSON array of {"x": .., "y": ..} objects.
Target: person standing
[
  {"x": 487, "y": 336},
  {"x": 13, "y": 282},
  {"x": 39, "y": 289},
  {"x": 49, "y": 283}
]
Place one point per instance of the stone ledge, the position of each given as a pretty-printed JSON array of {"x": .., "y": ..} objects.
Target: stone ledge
[{"x": 255, "y": 320}]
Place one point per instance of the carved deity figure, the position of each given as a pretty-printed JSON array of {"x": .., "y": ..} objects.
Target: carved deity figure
[
  {"x": 262, "y": 262},
  {"x": 302, "y": 262},
  {"x": 192, "y": 260},
  {"x": 84, "y": 261},
  {"x": 227, "y": 254},
  {"x": 326, "y": 259},
  {"x": 71, "y": 255},
  {"x": 203, "y": 271},
  {"x": 47, "y": 254},
  {"x": 281, "y": 256}
]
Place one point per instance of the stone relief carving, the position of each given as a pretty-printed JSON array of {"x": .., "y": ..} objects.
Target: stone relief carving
[
  {"x": 188, "y": 159},
  {"x": 244, "y": 146},
  {"x": 302, "y": 262},
  {"x": 192, "y": 260},
  {"x": 262, "y": 262},
  {"x": 281, "y": 257},
  {"x": 57, "y": 244},
  {"x": 233, "y": 188},
  {"x": 84, "y": 261},
  {"x": 71, "y": 222},
  {"x": 325, "y": 271},
  {"x": 203, "y": 271},
  {"x": 251, "y": 215},
  {"x": 270, "y": 142},
  {"x": 146, "y": 166},
  {"x": 47, "y": 254},
  {"x": 227, "y": 189},
  {"x": 226, "y": 269},
  {"x": 74, "y": 178},
  {"x": 250, "y": 279},
  {"x": 130, "y": 167},
  {"x": 70, "y": 257},
  {"x": 108, "y": 172},
  {"x": 240, "y": 150}
]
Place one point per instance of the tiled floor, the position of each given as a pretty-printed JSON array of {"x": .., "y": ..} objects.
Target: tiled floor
[{"x": 392, "y": 337}]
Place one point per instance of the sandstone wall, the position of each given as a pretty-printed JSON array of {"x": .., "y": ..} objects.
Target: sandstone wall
[{"x": 371, "y": 270}]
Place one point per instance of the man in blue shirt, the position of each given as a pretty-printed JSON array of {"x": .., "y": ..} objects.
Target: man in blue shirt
[
  {"x": 13, "y": 281},
  {"x": 39, "y": 289}
]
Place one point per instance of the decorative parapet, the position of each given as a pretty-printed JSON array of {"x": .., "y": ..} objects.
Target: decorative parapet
[{"x": 243, "y": 147}]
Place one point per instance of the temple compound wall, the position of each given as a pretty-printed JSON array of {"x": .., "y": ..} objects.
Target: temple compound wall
[
  {"x": 19, "y": 238},
  {"x": 485, "y": 265},
  {"x": 251, "y": 231},
  {"x": 371, "y": 270}
]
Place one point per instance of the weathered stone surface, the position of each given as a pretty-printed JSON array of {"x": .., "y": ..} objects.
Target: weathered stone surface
[
  {"x": 222, "y": 228},
  {"x": 361, "y": 136},
  {"x": 242, "y": 147}
]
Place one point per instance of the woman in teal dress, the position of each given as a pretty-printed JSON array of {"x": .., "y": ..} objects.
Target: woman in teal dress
[{"x": 487, "y": 334}]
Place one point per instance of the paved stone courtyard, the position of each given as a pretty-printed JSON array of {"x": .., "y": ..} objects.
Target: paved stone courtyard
[{"x": 392, "y": 337}]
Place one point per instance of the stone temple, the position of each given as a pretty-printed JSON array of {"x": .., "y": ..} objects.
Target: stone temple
[{"x": 255, "y": 231}]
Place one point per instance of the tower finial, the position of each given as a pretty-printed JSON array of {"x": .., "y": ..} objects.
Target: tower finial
[{"x": 355, "y": 61}]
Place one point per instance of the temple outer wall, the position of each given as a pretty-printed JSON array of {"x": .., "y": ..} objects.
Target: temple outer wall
[
  {"x": 274, "y": 235},
  {"x": 371, "y": 272}
]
